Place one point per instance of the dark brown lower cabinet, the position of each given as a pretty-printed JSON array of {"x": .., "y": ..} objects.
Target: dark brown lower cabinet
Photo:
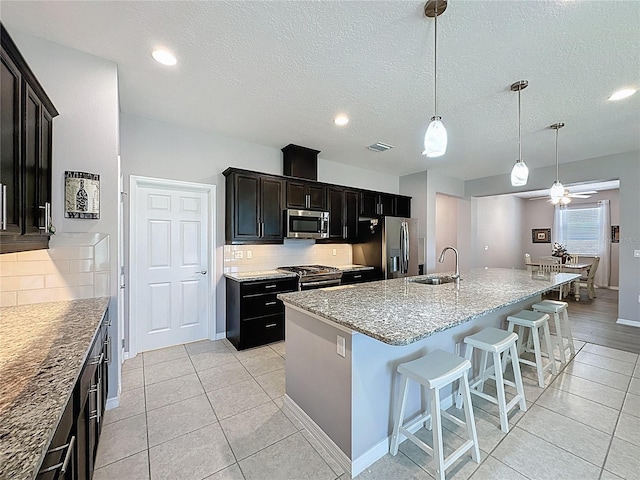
[
  {"x": 254, "y": 315},
  {"x": 360, "y": 276},
  {"x": 74, "y": 446},
  {"x": 62, "y": 454}
]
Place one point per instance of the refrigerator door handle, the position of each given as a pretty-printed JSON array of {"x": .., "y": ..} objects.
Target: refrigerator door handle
[{"x": 404, "y": 245}]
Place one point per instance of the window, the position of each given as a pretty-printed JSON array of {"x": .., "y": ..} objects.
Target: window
[{"x": 583, "y": 230}]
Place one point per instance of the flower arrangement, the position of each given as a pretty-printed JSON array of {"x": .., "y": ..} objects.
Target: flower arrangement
[{"x": 559, "y": 250}]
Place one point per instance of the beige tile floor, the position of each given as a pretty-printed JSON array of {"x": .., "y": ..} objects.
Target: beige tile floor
[{"x": 204, "y": 410}]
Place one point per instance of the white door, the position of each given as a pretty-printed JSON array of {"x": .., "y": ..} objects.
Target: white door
[{"x": 171, "y": 293}]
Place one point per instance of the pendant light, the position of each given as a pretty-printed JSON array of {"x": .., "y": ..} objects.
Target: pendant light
[
  {"x": 435, "y": 138},
  {"x": 520, "y": 171},
  {"x": 556, "y": 192}
]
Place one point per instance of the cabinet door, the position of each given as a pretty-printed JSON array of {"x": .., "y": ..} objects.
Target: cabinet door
[
  {"x": 369, "y": 204},
  {"x": 296, "y": 195},
  {"x": 335, "y": 206},
  {"x": 10, "y": 144},
  {"x": 387, "y": 205},
  {"x": 31, "y": 156},
  {"x": 271, "y": 206},
  {"x": 317, "y": 197},
  {"x": 44, "y": 170},
  {"x": 350, "y": 215},
  {"x": 403, "y": 207},
  {"x": 246, "y": 191}
]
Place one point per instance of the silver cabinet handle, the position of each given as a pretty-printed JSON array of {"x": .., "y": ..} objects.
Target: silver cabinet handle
[
  {"x": 357, "y": 276},
  {"x": 271, "y": 325},
  {"x": 270, "y": 286},
  {"x": 269, "y": 303},
  {"x": 65, "y": 463},
  {"x": 107, "y": 344},
  {"x": 3, "y": 210}
]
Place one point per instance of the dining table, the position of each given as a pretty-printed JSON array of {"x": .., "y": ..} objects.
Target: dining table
[{"x": 581, "y": 268}]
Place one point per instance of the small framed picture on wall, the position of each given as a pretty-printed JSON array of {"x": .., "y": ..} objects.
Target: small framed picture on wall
[
  {"x": 81, "y": 195},
  {"x": 615, "y": 233},
  {"x": 541, "y": 235}
]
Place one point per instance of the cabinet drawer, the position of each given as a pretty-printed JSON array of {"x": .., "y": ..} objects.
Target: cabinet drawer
[
  {"x": 261, "y": 305},
  {"x": 61, "y": 452},
  {"x": 258, "y": 331},
  {"x": 269, "y": 286},
  {"x": 359, "y": 276}
]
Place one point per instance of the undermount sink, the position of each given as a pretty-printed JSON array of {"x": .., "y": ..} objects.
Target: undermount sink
[{"x": 435, "y": 280}]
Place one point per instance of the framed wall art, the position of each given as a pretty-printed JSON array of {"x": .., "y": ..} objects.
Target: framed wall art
[
  {"x": 541, "y": 235},
  {"x": 81, "y": 195},
  {"x": 615, "y": 233}
]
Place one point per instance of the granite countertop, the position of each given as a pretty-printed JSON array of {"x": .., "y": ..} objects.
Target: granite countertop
[
  {"x": 400, "y": 312},
  {"x": 42, "y": 350},
  {"x": 263, "y": 275}
]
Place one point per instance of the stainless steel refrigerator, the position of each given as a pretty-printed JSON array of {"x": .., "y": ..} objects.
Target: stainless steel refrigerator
[{"x": 390, "y": 244}]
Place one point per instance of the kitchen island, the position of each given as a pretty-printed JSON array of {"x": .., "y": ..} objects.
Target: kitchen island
[{"x": 344, "y": 345}]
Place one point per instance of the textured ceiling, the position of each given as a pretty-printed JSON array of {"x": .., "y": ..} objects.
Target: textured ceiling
[{"x": 278, "y": 72}]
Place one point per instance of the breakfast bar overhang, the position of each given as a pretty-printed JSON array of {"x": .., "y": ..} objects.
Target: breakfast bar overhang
[{"x": 343, "y": 345}]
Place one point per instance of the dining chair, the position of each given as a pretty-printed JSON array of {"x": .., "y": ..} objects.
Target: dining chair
[
  {"x": 573, "y": 260},
  {"x": 588, "y": 281},
  {"x": 550, "y": 265}
]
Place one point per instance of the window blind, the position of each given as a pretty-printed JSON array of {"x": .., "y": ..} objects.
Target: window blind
[{"x": 583, "y": 230}]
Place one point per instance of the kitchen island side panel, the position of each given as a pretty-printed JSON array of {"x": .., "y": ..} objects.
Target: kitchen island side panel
[
  {"x": 318, "y": 380},
  {"x": 376, "y": 385}
]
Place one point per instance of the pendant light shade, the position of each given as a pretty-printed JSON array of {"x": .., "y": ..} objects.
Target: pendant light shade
[
  {"x": 435, "y": 138},
  {"x": 556, "y": 192},
  {"x": 520, "y": 171},
  {"x": 519, "y": 174}
]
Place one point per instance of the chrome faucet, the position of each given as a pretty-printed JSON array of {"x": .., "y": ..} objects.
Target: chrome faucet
[{"x": 441, "y": 260}]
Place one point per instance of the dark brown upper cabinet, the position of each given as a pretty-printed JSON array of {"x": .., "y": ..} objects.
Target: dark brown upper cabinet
[
  {"x": 377, "y": 204},
  {"x": 26, "y": 149},
  {"x": 254, "y": 207},
  {"x": 343, "y": 207},
  {"x": 306, "y": 195},
  {"x": 300, "y": 162}
]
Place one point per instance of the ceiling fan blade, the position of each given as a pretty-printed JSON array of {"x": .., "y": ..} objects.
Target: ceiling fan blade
[{"x": 578, "y": 195}]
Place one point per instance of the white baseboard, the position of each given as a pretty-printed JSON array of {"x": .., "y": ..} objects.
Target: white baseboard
[
  {"x": 332, "y": 449},
  {"x": 221, "y": 336},
  {"x": 631, "y": 323},
  {"x": 357, "y": 466},
  {"x": 112, "y": 403}
]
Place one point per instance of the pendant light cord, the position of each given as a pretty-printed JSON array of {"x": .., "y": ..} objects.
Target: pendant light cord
[
  {"x": 519, "y": 126},
  {"x": 435, "y": 61},
  {"x": 557, "y": 170}
]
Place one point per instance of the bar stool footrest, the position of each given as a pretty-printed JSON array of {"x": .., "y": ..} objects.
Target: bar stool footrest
[{"x": 460, "y": 451}]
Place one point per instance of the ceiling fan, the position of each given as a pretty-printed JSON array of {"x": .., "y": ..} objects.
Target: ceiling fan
[{"x": 566, "y": 198}]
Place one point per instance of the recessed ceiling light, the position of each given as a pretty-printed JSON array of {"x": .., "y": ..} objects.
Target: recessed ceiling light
[
  {"x": 341, "y": 120},
  {"x": 624, "y": 93},
  {"x": 164, "y": 57}
]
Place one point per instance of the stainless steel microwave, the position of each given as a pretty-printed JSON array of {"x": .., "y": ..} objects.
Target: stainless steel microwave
[{"x": 306, "y": 224}]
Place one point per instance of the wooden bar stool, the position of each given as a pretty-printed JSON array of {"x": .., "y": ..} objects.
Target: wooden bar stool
[
  {"x": 435, "y": 371},
  {"x": 533, "y": 321},
  {"x": 563, "y": 328},
  {"x": 496, "y": 341}
]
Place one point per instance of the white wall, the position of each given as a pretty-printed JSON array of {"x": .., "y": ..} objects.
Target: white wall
[
  {"x": 423, "y": 187},
  {"x": 84, "y": 90},
  {"x": 446, "y": 230},
  {"x": 158, "y": 149},
  {"x": 626, "y": 168},
  {"x": 498, "y": 236}
]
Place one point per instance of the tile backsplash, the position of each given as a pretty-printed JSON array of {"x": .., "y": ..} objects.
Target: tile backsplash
[
  {"x": 252, "y": 258},
  {"x": 75, "y": 266}
]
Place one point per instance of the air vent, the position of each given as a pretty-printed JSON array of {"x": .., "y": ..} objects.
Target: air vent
[{"x": 379, "y": 147}]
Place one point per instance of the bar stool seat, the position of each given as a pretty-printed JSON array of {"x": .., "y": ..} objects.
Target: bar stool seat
[
  {"x": 496, "y": 341},
  {"x": 533, "y": 321},
  {"x": 563, "y": 328},
  {"x": 433, "y": 372}
]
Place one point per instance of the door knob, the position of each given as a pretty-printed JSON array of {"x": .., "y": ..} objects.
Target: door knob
[{"x": 203, "y": 272}]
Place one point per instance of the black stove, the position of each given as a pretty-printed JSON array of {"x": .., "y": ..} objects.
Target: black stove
[{"x": 315, "y": 276}]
